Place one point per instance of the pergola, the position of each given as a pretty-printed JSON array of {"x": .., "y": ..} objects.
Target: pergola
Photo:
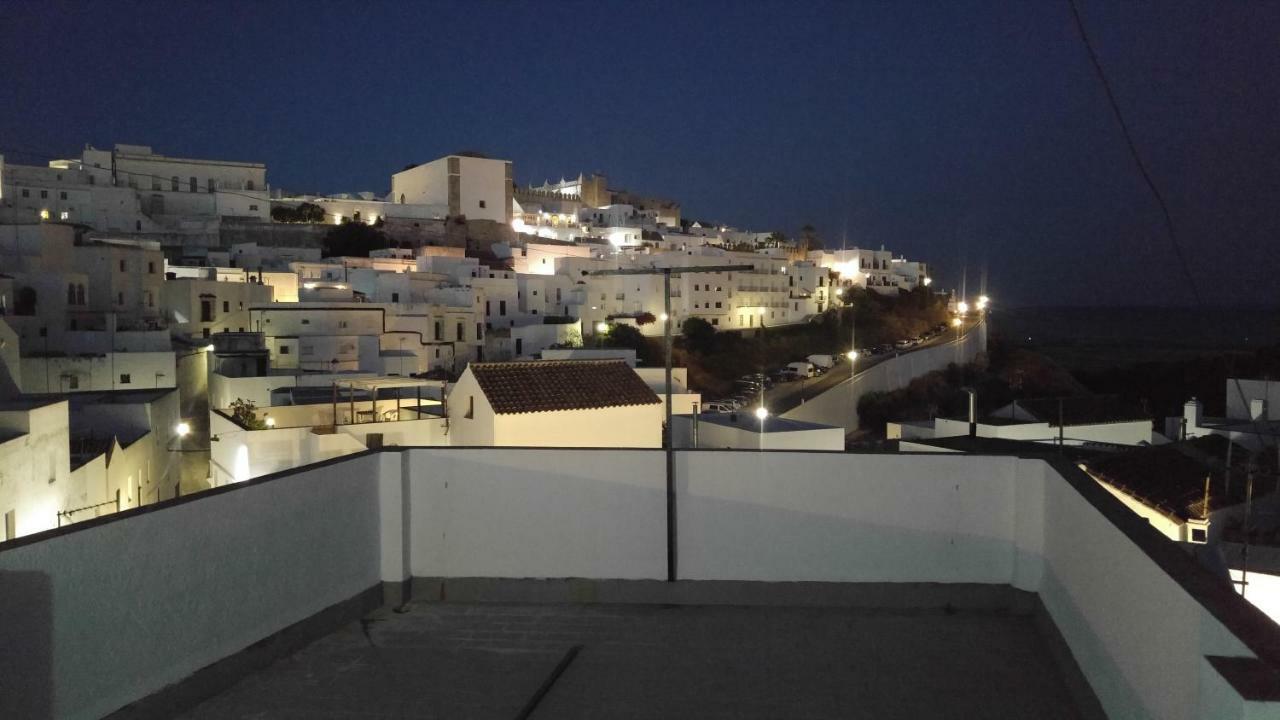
[{"x": 372, "y": 385}]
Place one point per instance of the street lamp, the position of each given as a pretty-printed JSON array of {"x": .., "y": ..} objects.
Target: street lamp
[
  {"x": 761, "y": 412},
  {"x": 209, "y": 348},
  {"x": 983, "y": 302},
  {"x": 182, "y": 429},
  {"x": 271, "y": 422},
  {"x": 664, "y": 317},
  {"x": 962, "y": 307},
  {"x": 602, "y": 327}
]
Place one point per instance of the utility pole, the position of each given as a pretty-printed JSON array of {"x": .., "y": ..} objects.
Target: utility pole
[{"x": 668, "y": 435}]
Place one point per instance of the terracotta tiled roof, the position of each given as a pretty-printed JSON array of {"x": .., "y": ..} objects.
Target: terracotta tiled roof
[
  {"x": 1171, "y": 477},
  {"x": 524, "y": 387}
]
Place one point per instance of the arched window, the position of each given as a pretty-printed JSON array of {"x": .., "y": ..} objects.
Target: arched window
[
  {"x": 71, "y": 294},
  {"x": 401, "y": 198}
]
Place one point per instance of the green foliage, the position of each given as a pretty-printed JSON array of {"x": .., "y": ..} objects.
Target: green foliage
[
  {"x": 303, "y": 213},
  {"x": 699, "y": 335},
  {"x": 625, "y": 336},
  {"x": 645, "y": 318},
  {"x": 354, "y": 239},
  {"x": 244, "y": 412}
]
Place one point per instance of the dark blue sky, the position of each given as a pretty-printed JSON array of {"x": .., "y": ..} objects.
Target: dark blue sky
[{"x": 957, "y": 133}]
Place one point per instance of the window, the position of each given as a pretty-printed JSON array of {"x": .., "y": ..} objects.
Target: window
[
  {"x": 122, "y": 266},
  {"x": 119, "y": 298},
  {"x": 155, "y": 183},
  {"x": 191, "y": 184},
  {"x": 173, "y": 183},
  {"x": 92, "y": 180},
  {"x": 226, "y": 306},
  {"x": 437, "y": 353},
  {"x": 212, "y": 184},
  {"x": 305, "y": 321},
  {"x": 439, "y": 331},
  {"x": 26, "y": 193},
  {"x": 62, "y": 195},
  {"x": 248, "y": 185},
  {"x": 44, "y": 193},
  {"x": 479, "y": 331},
  {"x": 71, "y": 294},
  {"x": 715, "y": 321},
  {"x": 481, "y": 203},
  {"x": 73, "y": 382},
  {"x": 151, "y": 267},
  {"x": 253, "y": 208},
  {"x": 204, "y": 332},
  {"x": 502, "y": 307},
  {"x": 206, "y": 311},
  {"x": 471, "y": 407},
  {"x": 125, "y": 379},
  {"x": 487, "y": 309},
  {"x": 461, "y": 333},
  {"x": 395, "y": 297},
  {"x": 284, "y": 350},
  {"x": 717, "y": 303}
]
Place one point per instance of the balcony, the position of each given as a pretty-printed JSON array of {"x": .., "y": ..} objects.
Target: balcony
[{"x": 807, "y": 584}]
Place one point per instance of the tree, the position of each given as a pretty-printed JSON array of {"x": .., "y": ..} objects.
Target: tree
[
  {"x": 243, "y": 412},
  {"x": 808, "y": 237},
  {"x": 625, "y": 336},
  {"x": 354, "y": 239},
  {"x": 777, "y": 238},
  {"x": 699, "y": 335},
  {"x": 303, "y": 213},
  {"x": 645, "y": 318}
]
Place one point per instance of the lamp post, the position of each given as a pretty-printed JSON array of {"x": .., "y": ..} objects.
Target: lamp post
[{"x": 761, "y": 412}]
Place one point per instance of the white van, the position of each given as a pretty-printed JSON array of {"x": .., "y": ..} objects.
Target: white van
[{"x": 802, "y": 369}]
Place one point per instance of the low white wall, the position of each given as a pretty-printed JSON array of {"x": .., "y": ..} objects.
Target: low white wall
[
  {"x": 203, "y": 580},
  {"x": 1137, "y": 635},
  {"x": 842, "y": 518},
  {"x": 539, "y": 513},
  {"x": 839, "y": 405}
]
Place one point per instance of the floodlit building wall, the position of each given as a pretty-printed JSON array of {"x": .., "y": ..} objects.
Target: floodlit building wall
[
  {"x": 112, "y": 371},
  {"x": 35, "y": 467}
]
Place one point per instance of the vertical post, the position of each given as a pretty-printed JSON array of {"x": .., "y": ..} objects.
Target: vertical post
[
  {"x": 668, "y": 435},
  {"x": 693, "y": 441},
  {"x": 335, "y": 405},
  {"x": 1061, "y": 423},
  {"x": 351, "y": 401}
]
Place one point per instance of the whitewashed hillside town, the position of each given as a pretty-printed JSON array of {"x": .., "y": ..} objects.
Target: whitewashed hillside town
[{"x": 170, "y": 324}]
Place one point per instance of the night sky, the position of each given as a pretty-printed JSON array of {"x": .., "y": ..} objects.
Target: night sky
[{"x": 962, "y": 134}]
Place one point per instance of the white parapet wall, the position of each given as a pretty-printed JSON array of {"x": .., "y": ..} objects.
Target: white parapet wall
[
  {"x": 1145, "y": 624},
  {"x": 839, "y": 405}
]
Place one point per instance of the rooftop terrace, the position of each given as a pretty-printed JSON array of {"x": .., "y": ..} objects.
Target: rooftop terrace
[{"x": 815, "y": 584}]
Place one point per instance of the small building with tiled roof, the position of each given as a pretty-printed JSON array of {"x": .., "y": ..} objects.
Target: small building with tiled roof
[
  {"x": 1188, "y": 490},
  {"x": 561, "y": 403}
]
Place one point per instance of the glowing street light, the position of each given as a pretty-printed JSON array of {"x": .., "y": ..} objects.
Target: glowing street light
[
  {"x": 663, "y": 317},
  {"x": 182, "y": 429},
  {"x": 983, "y": 302},
  {"x": 209, "y": 348},
  {"x": 761, "y": 412},
  {"x": 852, "y": 355},
  {"x": 928, "y": 281},
  {"x": 271, "y": 422},
  {"x": 602, "y": 327}
]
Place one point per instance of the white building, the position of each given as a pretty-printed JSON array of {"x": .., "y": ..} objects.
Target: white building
[
  {"x": 581, "y": 403},
  {"x": 467, "y": 184},
  {"x": 1082, "y": 421},
  {"x": 744, "y": 431},
  {"x": 1252, "y": 421}
]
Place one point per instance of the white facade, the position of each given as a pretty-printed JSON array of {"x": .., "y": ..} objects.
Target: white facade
[{"x": 476, "y": 187}]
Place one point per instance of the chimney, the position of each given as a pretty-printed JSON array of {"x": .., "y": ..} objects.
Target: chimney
[
  {"x": 1192, "y": 412},
  {"x": 1258, "y": 409}
]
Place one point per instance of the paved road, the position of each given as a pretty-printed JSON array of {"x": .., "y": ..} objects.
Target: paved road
[{"x": 785, "y": 396}]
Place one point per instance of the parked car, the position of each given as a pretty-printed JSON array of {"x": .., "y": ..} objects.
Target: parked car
[
  {"x": 717, "y": 406},
  {"x": 902, "y": 344}
]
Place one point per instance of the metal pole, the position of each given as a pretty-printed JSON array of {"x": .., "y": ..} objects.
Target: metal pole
[
  {"x": 667, "y": 436},
  {"x": 694, "y": 433}
]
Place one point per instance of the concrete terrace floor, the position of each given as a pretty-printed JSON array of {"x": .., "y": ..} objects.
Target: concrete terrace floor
[{"x": 650, "y": 661}]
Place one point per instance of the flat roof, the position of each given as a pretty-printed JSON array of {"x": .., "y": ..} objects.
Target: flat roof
[
  {"x": 691, "y": 661},
  {"x": 749, "y": 422}
]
